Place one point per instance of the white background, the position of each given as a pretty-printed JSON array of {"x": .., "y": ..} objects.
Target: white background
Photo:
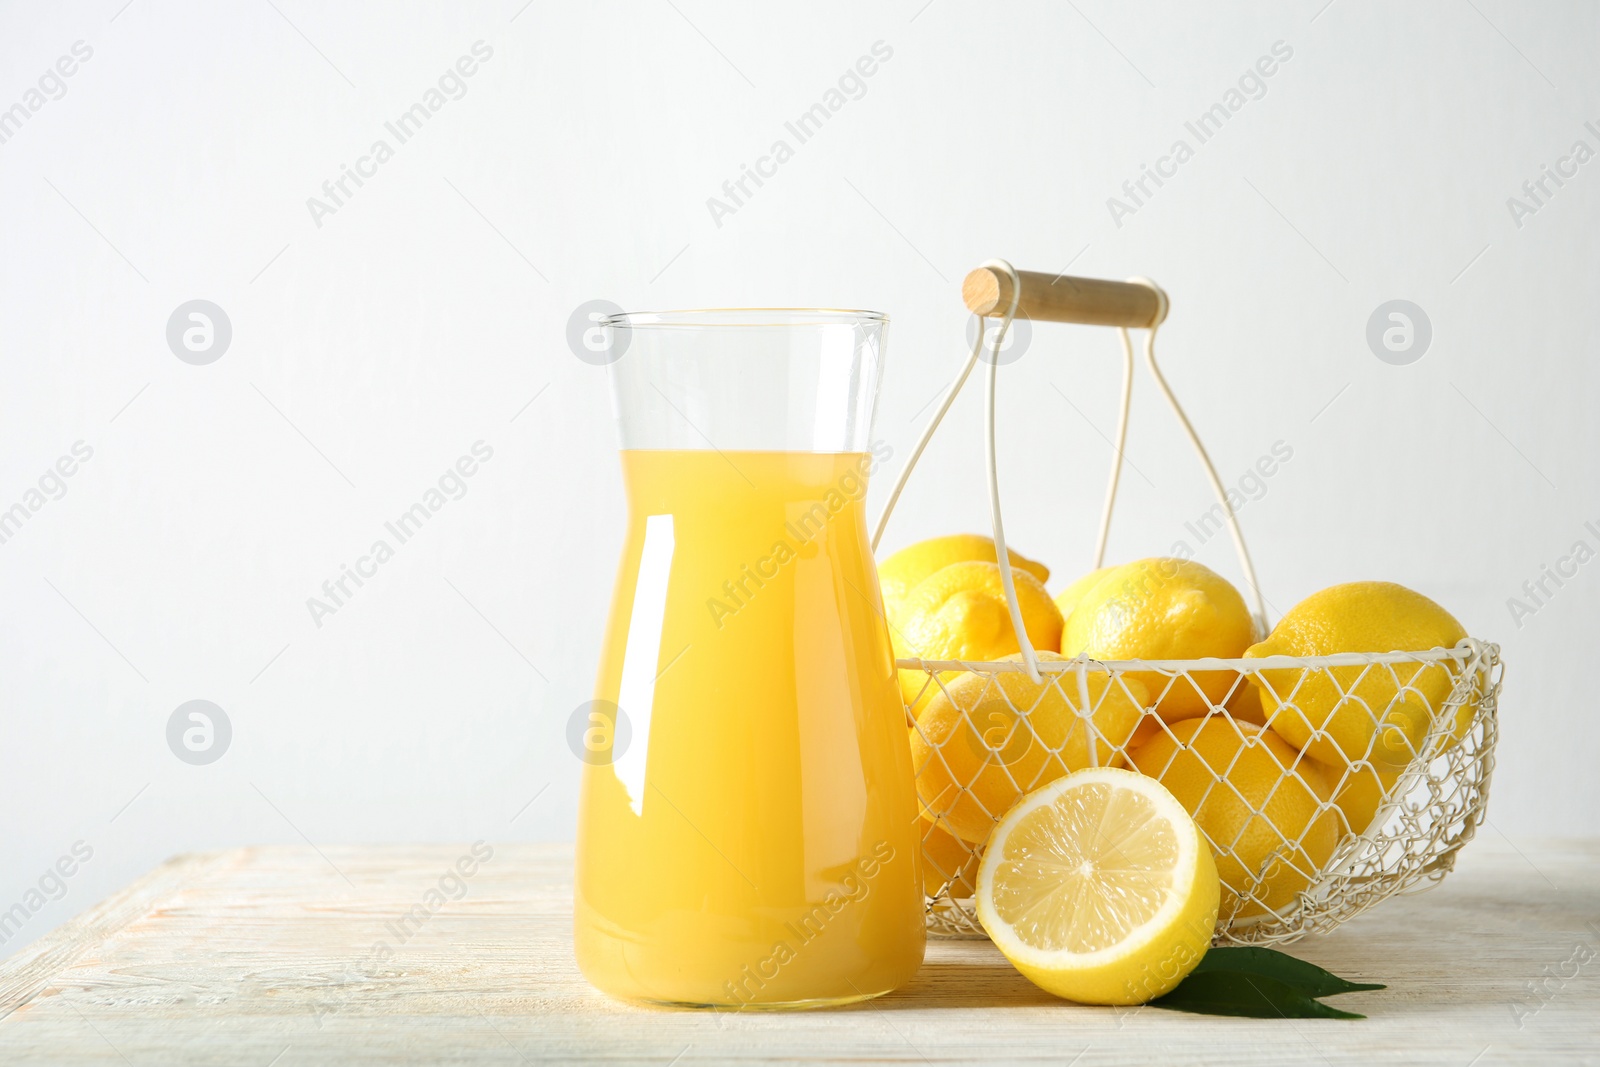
[{"x": 372, "y": 351}]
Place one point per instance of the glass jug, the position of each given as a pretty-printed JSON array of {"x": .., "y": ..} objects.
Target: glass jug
[{"x": 747, "y": 832}]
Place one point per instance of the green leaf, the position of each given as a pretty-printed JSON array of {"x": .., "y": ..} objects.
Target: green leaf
[
  {"x": 1308, "y": 978},
  {"x": 1217, "y": 992}
]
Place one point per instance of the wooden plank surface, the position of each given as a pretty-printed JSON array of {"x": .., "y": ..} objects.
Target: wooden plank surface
[{"x": 266, "y": 956}]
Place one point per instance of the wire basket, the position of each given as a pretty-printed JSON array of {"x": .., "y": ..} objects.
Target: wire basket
[
  {"x": 1304, "y": 838},
  {"x": 1307, "y": 844}
]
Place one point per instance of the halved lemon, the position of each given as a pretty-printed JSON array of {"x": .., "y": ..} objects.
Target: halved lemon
[{"x": 1099, "y": 888}]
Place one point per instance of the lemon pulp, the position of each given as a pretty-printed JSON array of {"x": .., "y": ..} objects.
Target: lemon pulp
[{"x": 1099, "y": 888}]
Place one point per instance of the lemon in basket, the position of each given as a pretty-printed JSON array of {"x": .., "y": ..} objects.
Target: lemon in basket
[
  {"x": 1164, "y": 608},
  {"x": 1098, "y": 888},
  {"x": 961, "y": 612},
  {"x": 911, "y": 566},
  {"x": 1068, "y": 598},
  {"x": 987, "y": 739},
  {"x": 1380, "y": 712},
  {"x": 1265, "y": 810}
]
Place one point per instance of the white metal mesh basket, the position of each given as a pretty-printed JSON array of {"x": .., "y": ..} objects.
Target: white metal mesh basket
[
  {"x": 1363, "y": 838},
  {"x": 1301, "y": 844}
]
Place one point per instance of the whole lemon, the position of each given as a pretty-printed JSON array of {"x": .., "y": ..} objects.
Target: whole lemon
[
  {"x": 1066, "y": 601},
  {"x": 986, "y": 740},
  {"x": 961, "y": 612},
  {"x": 1068, "y": 598},
  {"x": 1266, "y": 811},
  {"x": 1165, "y": 608},
  {"x": 910, "y": 566},
  {"x": 1380, "y": 713}
]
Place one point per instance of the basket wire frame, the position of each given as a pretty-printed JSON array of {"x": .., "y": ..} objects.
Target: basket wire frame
[
  {"x": 1418, "y": 825},
  {"x": 1420, "y": 818}
]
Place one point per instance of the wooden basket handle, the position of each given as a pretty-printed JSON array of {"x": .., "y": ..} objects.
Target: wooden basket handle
[{"x": 1062, "y": 298}]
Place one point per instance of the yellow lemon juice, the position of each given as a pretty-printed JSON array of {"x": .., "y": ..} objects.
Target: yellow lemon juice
[{"x": 748, "y": 827}]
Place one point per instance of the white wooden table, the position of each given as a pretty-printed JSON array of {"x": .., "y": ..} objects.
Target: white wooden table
[{"x": 264, "y": 956}]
